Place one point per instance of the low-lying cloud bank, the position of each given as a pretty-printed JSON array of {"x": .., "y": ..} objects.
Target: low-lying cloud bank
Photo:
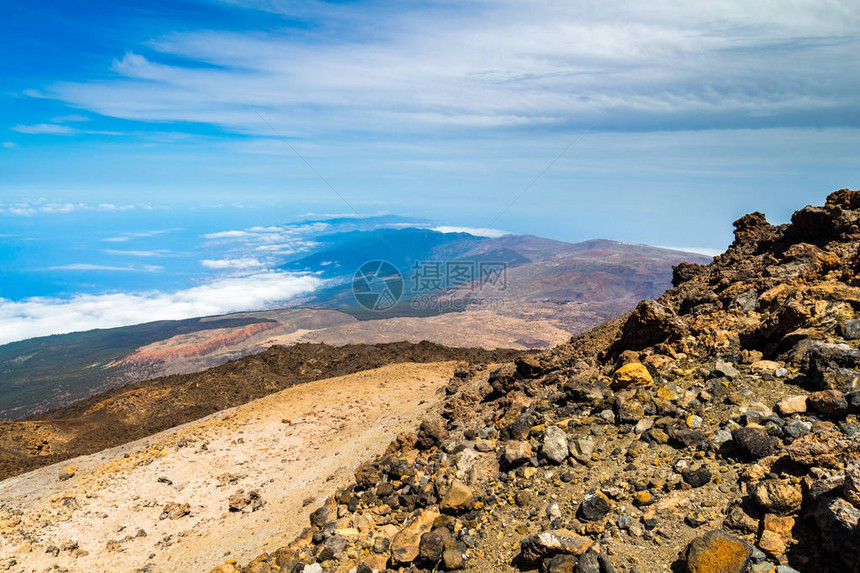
[{"x": 43, "y": 316}]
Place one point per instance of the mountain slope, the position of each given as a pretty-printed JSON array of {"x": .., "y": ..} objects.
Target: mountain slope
[{"x": 714, "y": 429}]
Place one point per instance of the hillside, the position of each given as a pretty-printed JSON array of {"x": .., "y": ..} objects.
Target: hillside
[{"x": 712, "y": 430}]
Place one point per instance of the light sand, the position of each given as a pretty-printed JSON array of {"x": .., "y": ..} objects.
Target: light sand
[{"x": 333, "y": 426}]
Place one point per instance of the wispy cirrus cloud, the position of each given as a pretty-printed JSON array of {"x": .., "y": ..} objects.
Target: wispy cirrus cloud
[
  {"x": 29, "y": 209},
  {"x": 128, "y": 236},
  {"x": 44, "y": 129},
  {"x": 112, "y": 268},
  {"x": 504, "y": 64},
  {"x": 132, "y": 253}
]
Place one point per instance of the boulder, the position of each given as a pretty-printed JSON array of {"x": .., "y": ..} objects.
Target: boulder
[
  {"x": 791, "y": 405},
  {"x": 430, "y": 433}
]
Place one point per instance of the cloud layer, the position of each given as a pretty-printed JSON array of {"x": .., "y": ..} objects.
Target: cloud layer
[
  {"x": 478, "y": 65},
  {"x": 44, "y": 316}
]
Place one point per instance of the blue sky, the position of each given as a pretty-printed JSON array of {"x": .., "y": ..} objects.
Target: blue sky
[{"x": 682, "y": 115}]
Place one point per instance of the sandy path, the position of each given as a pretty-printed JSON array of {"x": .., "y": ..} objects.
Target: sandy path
[{"x": 333, "y": 426}]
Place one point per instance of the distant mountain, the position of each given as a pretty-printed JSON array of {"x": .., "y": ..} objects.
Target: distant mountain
[{"x": 542, "y": 292}]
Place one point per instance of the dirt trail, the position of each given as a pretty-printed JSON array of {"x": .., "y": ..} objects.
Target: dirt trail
[{"x": 300, "y": 443}]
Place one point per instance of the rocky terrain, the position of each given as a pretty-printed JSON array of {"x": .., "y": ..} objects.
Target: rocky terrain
[{"x": 713, "y": 430}]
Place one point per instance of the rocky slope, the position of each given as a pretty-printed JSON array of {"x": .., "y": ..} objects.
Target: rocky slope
[{"x": 711, "y": 430}]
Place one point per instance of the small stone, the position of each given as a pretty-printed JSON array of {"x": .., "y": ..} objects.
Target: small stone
[
  {"x": 581, "y": 449},
  {"x": 555, "y": 446},
  {"x": 548, "y": 543},
  {"x": 67, "y": 472},
  {"x": 458, "y": 499},
  {"x": 754, "y": 442},
  {"x": 723, "y": 369},
  {"x": 777, "y": 496},
  {"x": 697, "y": 477},
  {"x": 698, "y": 517},
  {"x": 642, "y": 498},
  {"x": 851, "y": 487},
  {"x": 594, "y": 505},
  {"x": 717, "y": 552},
  {"x": 850, "y": 329},
  {"x": 517, "y": 452},
  {"x": 829, "y": 402},
  {"x": 240, "y": 501},
  {"x": 631, "y": 374},
  {"x": 693, "y": 421},
  {"x": 175, "y": 510},
  {"x": 791, "y": 405},
  {"x": 482, "y": 445},
  {"x": 797, "y": 428},
  {"x": 433, "y": 544}
]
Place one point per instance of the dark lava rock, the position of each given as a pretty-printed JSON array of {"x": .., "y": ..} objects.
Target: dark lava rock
[
  {"x": 528, "y": 367},
  {"x": 754, "y": 442},
  {"x": 562, "y": 564},
  {"x": 430, "y": 434},
  {"x": 588, "y": 563},
  {"x": 839, "y": 524},
  {"x": 697, "y": 477},
  {"x": 433, "y": 544},
  {"x": 594, "y": 506}
]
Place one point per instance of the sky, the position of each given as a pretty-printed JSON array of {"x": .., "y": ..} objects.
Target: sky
[{"x": 657, "y": 123}]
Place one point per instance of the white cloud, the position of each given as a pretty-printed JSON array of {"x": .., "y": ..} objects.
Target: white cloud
[
  {"x": 93, "y": 267},
  {"x": 232, "y": 264},
  {"x": 44, "y": 129},
  {"x": 9, "y": 144},
  {"x": 708, "y": 252},
  {"x": 226, "y": 235},
  {"x": 44, "y": 316},
  {"x": 476, "y": 231}
]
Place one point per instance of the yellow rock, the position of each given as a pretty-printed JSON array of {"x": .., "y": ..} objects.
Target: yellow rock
[{"x": 631, "y": 374}]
